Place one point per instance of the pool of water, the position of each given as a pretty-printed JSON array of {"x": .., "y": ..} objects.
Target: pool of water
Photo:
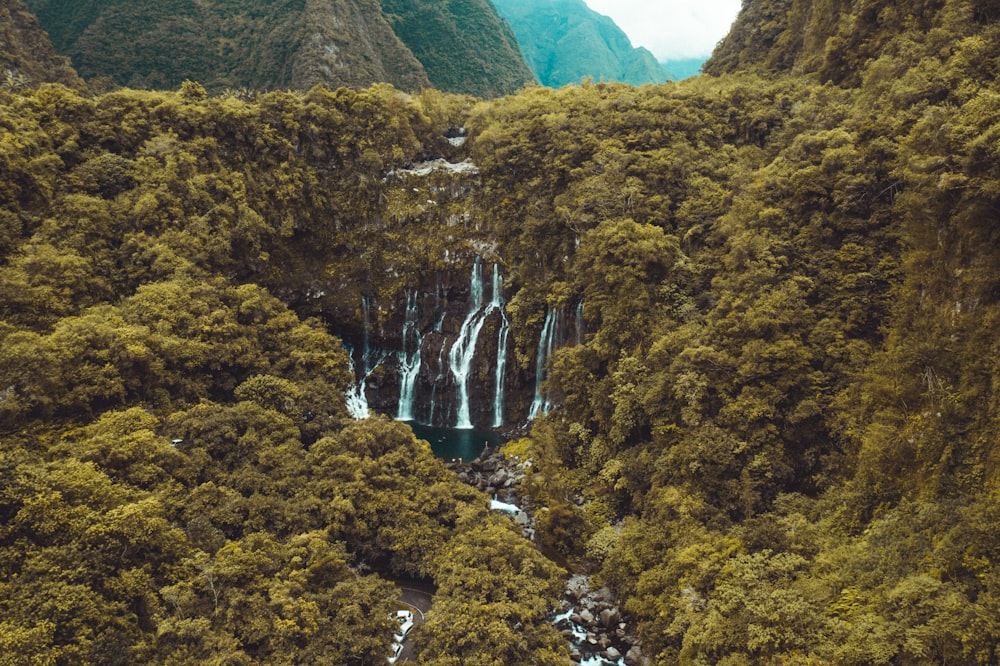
[{"x": 450, "y": 443}]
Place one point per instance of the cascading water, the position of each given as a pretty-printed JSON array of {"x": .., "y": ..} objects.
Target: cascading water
[
  {"x": 357, "y": 400},
  {"x": 438, "y": 380},
  {"x": 357, "y": 403},
  {"x": 547, "y": 341},
  {"x": 581, "y": 326},
  {"x": 464, "y": 349},
  {"x": 502, "y": 335},
  {"x": 409, "y": 361}
]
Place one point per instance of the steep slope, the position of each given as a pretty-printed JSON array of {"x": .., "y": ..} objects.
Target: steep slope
[
  {"x": 26, "y": 54},
  {"x": 565, "y": 41},
  {"x": 233, "y": 43},
  {"x": 835, "y": 39},
  {"x": 463, "y": 44}
]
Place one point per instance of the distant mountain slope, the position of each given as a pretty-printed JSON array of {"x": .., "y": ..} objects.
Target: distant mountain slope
[
  {"x": 288, "y": 43},
  {"x": 26, "y": 54},
  {"x": 682, "y": 68},
  {"x": 463, "y": 44},
  {"x": 565, "y": 41},
  {"x": 230, "y": 43}
]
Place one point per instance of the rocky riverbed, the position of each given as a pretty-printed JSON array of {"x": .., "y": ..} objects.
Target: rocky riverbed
[
  {"x": 590, "y": 619},
  {"x": 592, "y": 622}
]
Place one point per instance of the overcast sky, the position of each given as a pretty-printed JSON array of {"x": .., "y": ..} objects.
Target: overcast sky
[{"x": 672, "y": 28}]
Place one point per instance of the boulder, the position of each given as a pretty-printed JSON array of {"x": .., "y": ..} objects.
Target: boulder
[
  {"x": 634, "y": 656},
  {"x": 577, "y": 586}
]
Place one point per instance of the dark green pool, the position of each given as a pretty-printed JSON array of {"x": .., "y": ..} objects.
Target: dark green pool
[{"x": 450, "y": 443}]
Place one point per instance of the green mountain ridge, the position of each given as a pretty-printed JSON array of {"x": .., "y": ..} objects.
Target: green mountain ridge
[
  {"x": 287, "y": 44},
  {"x": 565, "y": 42},
  {"x": 463, "y": 44}
]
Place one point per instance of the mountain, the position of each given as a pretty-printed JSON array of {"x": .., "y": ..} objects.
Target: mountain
[
  {"x": 836, "y": 39},
  {"x": 683, "y": 68},
  {"x": 287, "y": 44},
  {"x": 565, "y": 41},
  {"x": 463, "y": 45},
  {"x": 230, "y": 44},
  {"x": 26, "y": 54}
]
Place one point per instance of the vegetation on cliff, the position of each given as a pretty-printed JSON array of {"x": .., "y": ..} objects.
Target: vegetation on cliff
[
  {"x": 232, "y": 44},
  {"x": 182, "y": 480},
  {"x": 781, "y": 420},
  {"x": 463, "y": 44},
  {"x": 461, "y": 47},
  {"x": 26, "y": 54}
]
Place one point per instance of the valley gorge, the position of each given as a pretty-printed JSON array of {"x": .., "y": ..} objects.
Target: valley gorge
[{"x": 736, "y": 336}]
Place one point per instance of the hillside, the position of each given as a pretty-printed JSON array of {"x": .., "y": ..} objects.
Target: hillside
[
  {"x": 836, "y": 40},
  {"x": 565, "y": 41},
  {"x": 232, "y": 44},
  {"x": 741, "y": 331},
  {"x": 463, "y": 44},
  {"x": 26, "y": 54},
  {"x": 292, "y": 44}
]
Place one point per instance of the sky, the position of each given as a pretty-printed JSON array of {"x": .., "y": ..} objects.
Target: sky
[{"x": 672, "y": 28}]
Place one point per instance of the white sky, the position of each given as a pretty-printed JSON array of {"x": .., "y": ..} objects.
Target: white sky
[{"x": 672, "y": 28}]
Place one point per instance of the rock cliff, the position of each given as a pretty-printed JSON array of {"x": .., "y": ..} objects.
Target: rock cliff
[{"x": 26, "y": 54}]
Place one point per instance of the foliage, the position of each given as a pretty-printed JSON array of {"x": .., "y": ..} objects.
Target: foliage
[
  {"x": 182, "y": 482},
  {"x": 774, "y": 436},
  {"x": 464, "y": 45},
  {"x": 259, "y": 45}
]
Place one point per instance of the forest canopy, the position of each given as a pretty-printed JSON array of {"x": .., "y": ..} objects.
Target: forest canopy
[{"x": 774, "y": 438}]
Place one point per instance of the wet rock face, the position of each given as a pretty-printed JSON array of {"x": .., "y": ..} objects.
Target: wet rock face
[{"x": 443, "y": 304}]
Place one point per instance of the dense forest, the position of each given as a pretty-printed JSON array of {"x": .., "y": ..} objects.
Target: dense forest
[{"x": 775, "y": 439}]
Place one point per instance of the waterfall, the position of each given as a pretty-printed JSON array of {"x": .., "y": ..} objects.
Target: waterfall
[
  {"x": 409, "y": 361},
  {"x": 357, "y": 401},
  {"x": 464, "y": 349},
  {"x": 546, "y": 345},
  {"x": 502, "y": 336},
  {"x": 581, "y": 326},
  {"x": 438, "y": 379}
]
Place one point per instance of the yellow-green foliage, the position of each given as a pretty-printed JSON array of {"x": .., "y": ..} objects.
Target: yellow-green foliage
[
  {"x": 781, "y": 420},
  {"x": 796, "y": 426},
  {"x": 182, "y": 483}
]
